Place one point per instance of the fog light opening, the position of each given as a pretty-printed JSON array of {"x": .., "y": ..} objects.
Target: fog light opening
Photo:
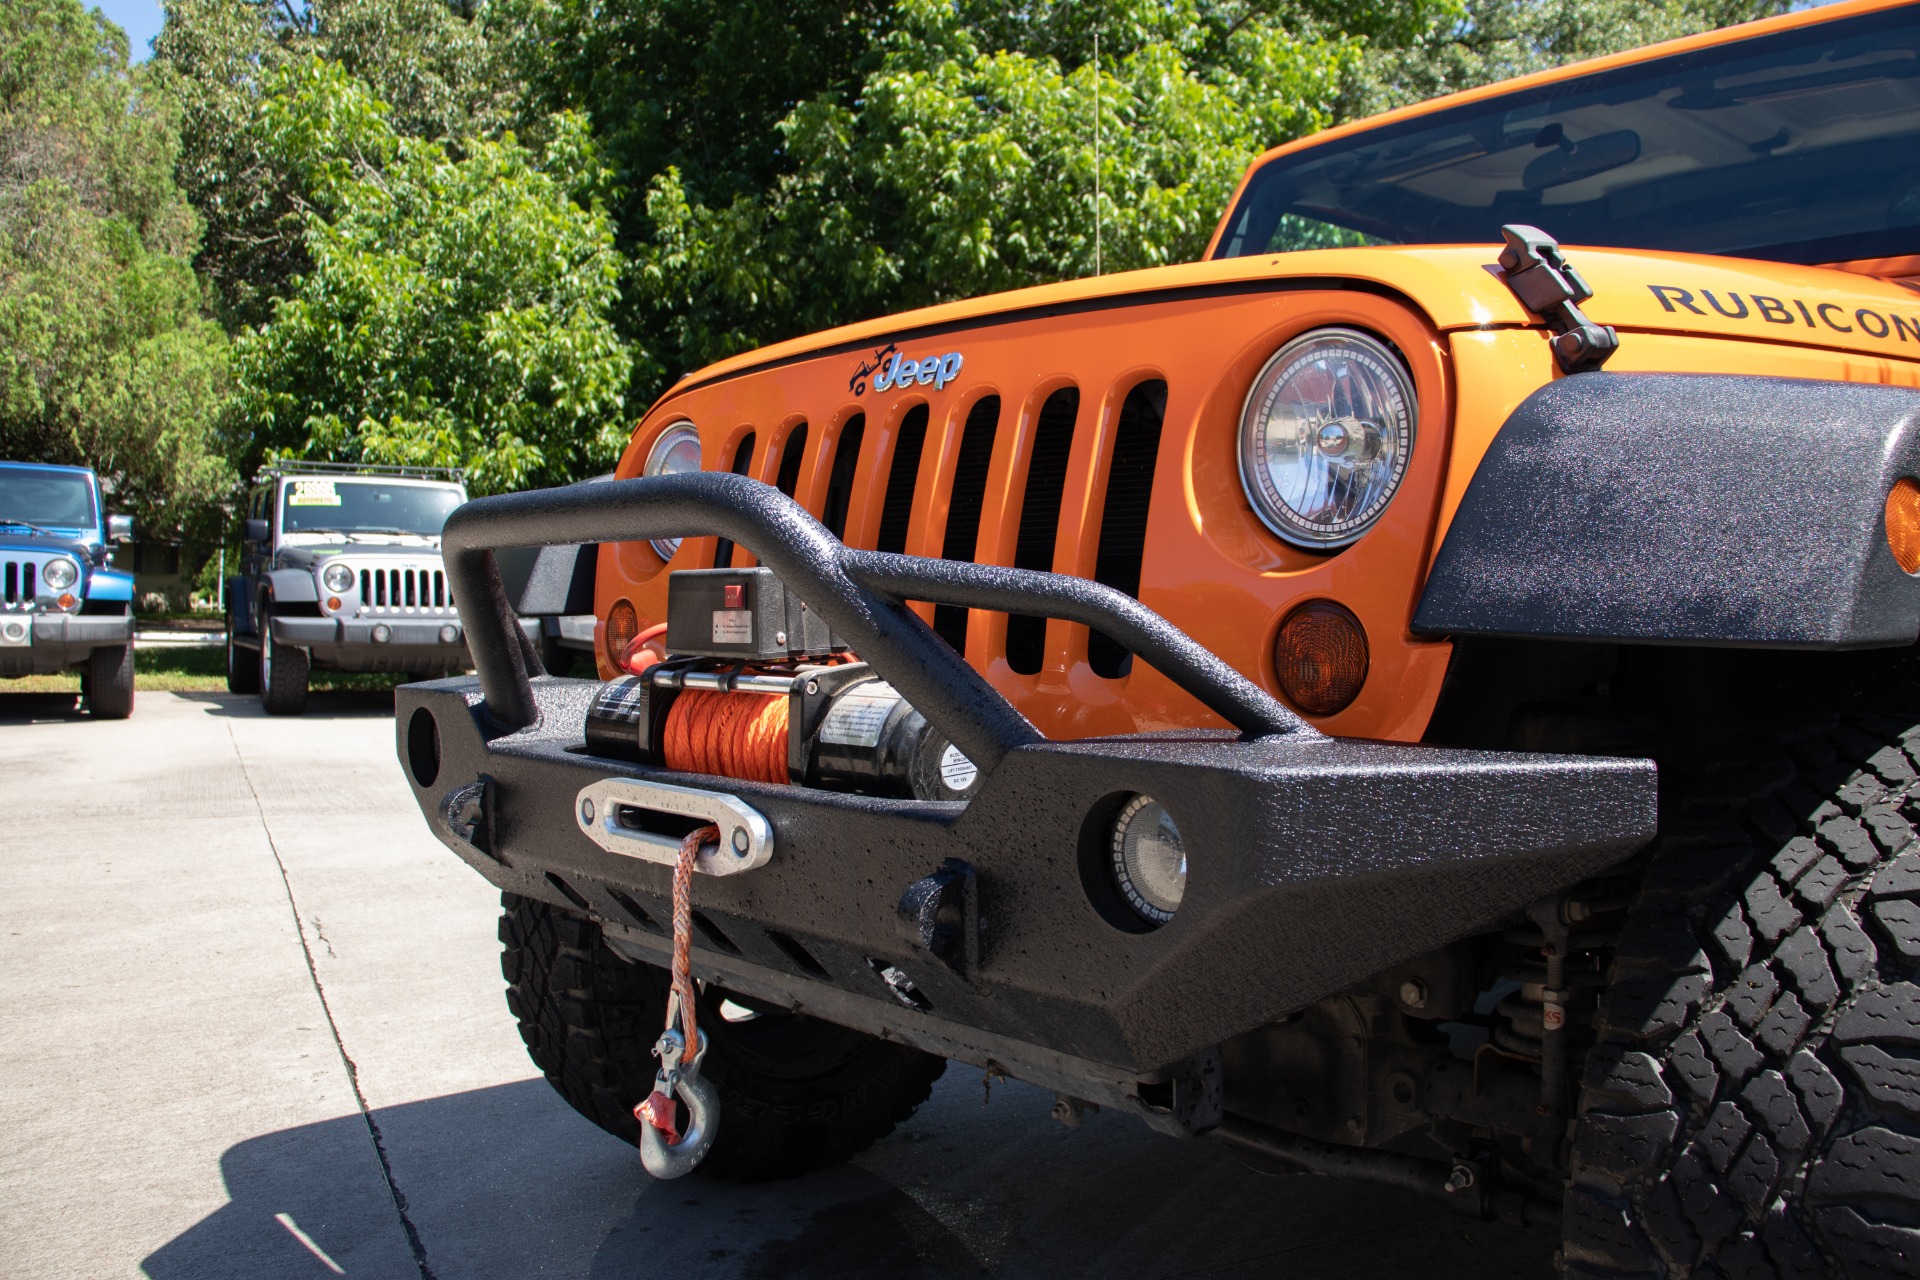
[
  {"x": 423, "y": 747},
  {"x": 449, "y": 633},
  {"x": 1148, "y": 859},
  {"x": 382, "y": 633}
]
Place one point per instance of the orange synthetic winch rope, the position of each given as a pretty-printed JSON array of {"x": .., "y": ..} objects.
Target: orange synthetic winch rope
[
  {"x": 657, "y": 1109},
  {"x": 734, "y": 735}
]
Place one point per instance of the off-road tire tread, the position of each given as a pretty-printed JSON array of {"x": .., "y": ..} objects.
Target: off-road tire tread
[
  {"x": 283, "y": 689},
  {"x": 1752, "y": 1105},
  {"x": 109, "y": 683},
  {"x": 589, "y": 1018}
]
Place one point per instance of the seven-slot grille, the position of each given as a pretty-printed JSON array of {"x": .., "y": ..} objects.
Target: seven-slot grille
[
  {"x": 410, "y": 589},
  {"x": 1132, "y": 447},
  {"x": 19, "y": 583}
]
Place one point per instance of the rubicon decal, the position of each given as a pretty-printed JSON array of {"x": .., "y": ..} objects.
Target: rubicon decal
[
  {"x": 1759, "y": 309},
  {"x": 891, "y": 367}
]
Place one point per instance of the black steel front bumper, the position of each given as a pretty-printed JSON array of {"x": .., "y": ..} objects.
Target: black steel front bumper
[
  {"x": 1314, "y": 862},
  {"x": 58, "y": 641}
]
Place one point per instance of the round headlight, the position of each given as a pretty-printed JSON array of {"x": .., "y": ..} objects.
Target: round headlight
[
  {"x": 1149, "y": 862},
  {"x": 1325, "y": 437},
  {"x": 59, "y": 573},
  {"x": 337, "y": 577},
  {"x": 676, "y": 452}
]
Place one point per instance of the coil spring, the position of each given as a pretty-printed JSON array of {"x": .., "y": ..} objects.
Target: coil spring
[{"x": 1520, "y": 1016}]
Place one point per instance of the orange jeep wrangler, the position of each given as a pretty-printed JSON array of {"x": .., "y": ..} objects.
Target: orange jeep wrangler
[{"x": 1398, "y": 697}]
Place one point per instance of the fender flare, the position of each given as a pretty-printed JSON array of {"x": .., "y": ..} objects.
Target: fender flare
[
  {"x": 293, "y": 586},
  {"x": 1717, "y": 510}
]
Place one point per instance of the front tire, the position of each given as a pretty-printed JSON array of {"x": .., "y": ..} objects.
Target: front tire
[
  {"x": 283, "y": 675},
  {"x": 109, "y": 683},
  {"x": 243, "y": 668},
  {"x": 796, "y": 1094},
  {"x": 1752, "y": 1106}
]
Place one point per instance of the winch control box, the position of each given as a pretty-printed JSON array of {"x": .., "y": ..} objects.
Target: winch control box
[{"x": 742, "y": 613}]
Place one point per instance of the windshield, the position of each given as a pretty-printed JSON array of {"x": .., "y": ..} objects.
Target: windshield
[
  {"x": 1797, "y": 147},
  {"x": 47, "y": 498},
  {"x": 366, "y": 506}
]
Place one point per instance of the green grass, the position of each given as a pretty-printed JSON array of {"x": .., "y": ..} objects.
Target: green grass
[{"x": 192, "y": 669}]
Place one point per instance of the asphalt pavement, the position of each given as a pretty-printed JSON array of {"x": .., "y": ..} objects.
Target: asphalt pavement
[{"x": 251, "y": 1025}]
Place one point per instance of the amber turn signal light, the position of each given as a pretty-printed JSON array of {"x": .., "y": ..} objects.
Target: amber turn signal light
[
  {"x": 1320, "y": 656},
  {"x": 623, "y": 624},
  {"x": 1903, "y": 524}
]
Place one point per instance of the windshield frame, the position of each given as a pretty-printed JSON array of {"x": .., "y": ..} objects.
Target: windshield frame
[
  {"x": 282, "y": 504},
  {"x": 88, "y": 532},
  {"x": 1668, "y": 60}
]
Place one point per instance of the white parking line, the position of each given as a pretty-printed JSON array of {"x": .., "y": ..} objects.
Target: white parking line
[{"x": 286, "y": 1220}]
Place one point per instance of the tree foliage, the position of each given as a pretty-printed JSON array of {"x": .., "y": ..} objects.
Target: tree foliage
[
  {"x": 934, "y": 149},
  {"x": 106, "y": 357},
  {"x": 765, "y": 169},
  {"x": 453, "y": 310},
  {"x": 432, "y": 62}
]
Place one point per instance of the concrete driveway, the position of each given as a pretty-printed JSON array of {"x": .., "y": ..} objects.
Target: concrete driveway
[{"x": 251, "y": 1025}]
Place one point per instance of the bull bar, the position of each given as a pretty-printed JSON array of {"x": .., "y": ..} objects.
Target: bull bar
[{"x": 1315, "y": 863}]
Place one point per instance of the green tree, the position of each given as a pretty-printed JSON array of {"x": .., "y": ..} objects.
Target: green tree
[
  {"x": 436, "y": 63},
  {"x": 106, "y": 356},
  {"x": 454, "y": 309},
  {"x": 1491, "y": 40},
  {"x": 931, "y": 149},
  {"x": 960, "y": 166}
]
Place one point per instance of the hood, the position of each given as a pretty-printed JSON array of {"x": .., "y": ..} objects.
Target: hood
[
  {"x": 311, "y": 555},
  {"x": 76, "y": 542},
  {"x": 1751, "y": 301},
  {"x": 1458, "y": 287}
]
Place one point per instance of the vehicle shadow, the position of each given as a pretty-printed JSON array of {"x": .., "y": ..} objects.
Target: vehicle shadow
[
  {"x": 508, "y": 1182},
  {"x": 29, "y": 708},
  {"x": 322, "y": 704}
]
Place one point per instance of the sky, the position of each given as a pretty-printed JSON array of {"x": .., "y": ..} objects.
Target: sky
[{"x": 140, "y": 19}]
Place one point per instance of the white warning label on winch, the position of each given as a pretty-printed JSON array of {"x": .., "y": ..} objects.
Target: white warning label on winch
[
  {"x": 857, "y": 717},
  {"x": 733, "y": 626},
  {"x": 956, "y": 770}
]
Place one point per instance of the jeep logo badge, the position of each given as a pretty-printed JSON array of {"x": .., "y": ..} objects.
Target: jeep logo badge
[{"x": 892, "y": 367}]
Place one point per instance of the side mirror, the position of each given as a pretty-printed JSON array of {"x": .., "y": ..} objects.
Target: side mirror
[
  {"x": 258, "y": 531},
  {"x": 120, "y": 528}
]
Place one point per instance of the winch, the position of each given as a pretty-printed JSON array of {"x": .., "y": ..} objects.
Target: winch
[{"x": 756, "y": 686}]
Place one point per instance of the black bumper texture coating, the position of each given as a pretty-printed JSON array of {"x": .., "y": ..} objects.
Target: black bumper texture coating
[{"x": 1314, "y": 863}]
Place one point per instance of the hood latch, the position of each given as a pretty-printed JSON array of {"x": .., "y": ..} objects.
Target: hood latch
[{"x": 1539, "y": 275}]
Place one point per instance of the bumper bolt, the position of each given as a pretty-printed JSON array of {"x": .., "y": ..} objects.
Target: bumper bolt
[
  {"x": 586, "y": 811},
  {"x": 1461, "y": 1179}
]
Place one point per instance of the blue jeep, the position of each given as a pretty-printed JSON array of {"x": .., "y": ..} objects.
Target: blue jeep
[{"x": 61, "y": 606}]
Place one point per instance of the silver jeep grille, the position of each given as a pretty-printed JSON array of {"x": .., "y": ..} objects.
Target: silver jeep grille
[
  {"x": 409, "y": 590},
  {"x": 19, "y": 583}
]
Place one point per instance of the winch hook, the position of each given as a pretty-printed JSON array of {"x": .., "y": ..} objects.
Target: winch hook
[{"x": 664, "y": 1151}]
